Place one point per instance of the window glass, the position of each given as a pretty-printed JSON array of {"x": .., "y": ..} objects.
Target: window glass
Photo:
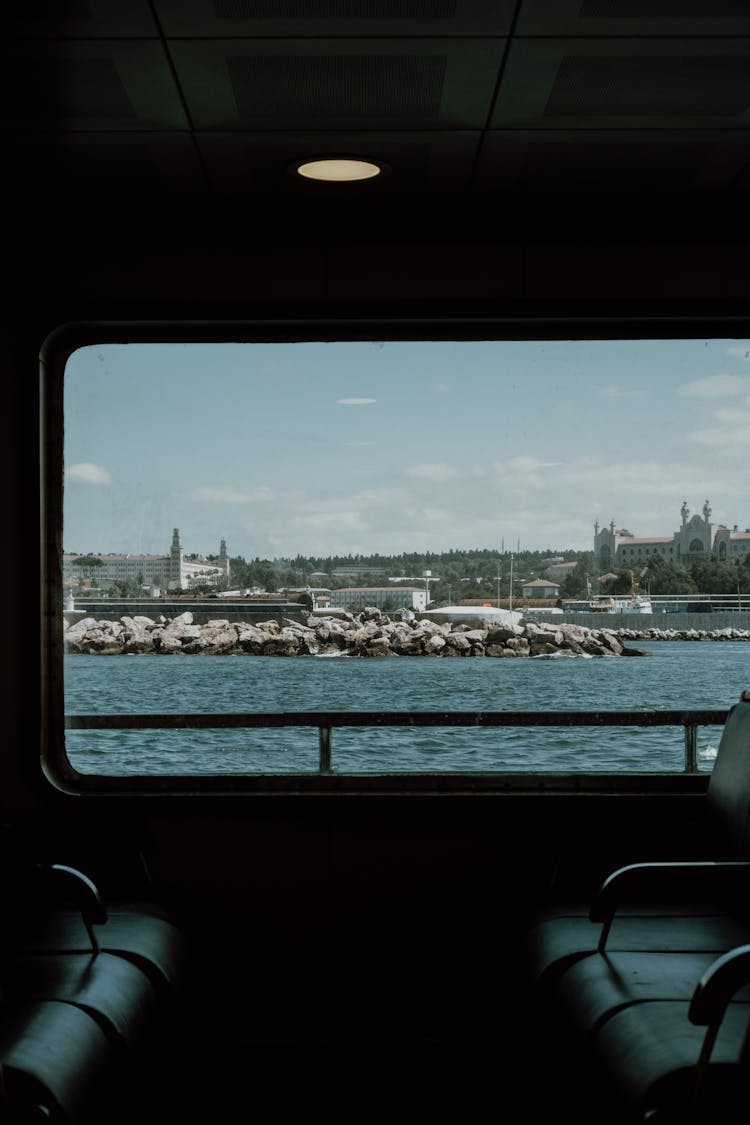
[{"x": 291, "y": 529}]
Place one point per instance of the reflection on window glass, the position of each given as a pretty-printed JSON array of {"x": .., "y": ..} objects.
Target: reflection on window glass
[{"x": 452, "y": 526}]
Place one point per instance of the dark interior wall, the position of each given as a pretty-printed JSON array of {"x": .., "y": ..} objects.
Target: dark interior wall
[
  {"x": 311, "y": 888},
  {"x": 102, "y": 276}
]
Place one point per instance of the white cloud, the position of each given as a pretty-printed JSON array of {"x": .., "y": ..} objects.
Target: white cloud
[
  {"x": 731, "y": 416},
  {"x": 524, "y": 472},
  {"x": 436, "y": 472},
  {"x": 436, "y": 515},
  {"x": 86, "y": 472},
  {"x": 232, "y": 495},
  {"x": 355, "y": 401},
  {"x": 729, "y": 431},
  {"x": 592, "y": 483},
  {"x": 327, "y": 521},
  {"x": 725, "y": 439},
  {"x": 648, "y": 478},
  {"x": 379, "y": 497},
  {"x": 365, "y": 498},
  {"x": 525, "y": 464},
  {"x": 615, "y": 391},
  {"x": 717, "y": 386}
]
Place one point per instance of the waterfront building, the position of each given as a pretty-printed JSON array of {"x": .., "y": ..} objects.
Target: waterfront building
[
  {"x": 172, "y": 571},
  {"x": 697, "y": 538},
  {"x": 380, "y": 597},
  {"x": 540, "y": 588}
]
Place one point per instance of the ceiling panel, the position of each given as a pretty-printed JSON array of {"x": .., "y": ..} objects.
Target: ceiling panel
[
  {"x": 351, "y": 18},
  {"x": 89, "y": 85},
  {"x": 260, "y": 166},
  {"x": 601, "y": 18},
  {"x": 498, "y": 110},
  {"x": 338, "y": 83},
  {"x": 625, "y": 84}
]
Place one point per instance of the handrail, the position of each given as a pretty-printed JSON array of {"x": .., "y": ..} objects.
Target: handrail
[{"x": 326, "y": 721}]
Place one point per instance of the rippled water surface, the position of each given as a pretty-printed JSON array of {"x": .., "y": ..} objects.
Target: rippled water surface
[{"x": 675, "y": 675}]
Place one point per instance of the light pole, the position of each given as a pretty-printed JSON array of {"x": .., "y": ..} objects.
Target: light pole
[
  {"x": 498, "y": 585},
  {"x": 427, "y": 575},
  {"x": 510, "y": 599}
]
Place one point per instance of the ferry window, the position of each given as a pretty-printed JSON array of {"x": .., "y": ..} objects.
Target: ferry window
[{"x": 290, "y": 529}]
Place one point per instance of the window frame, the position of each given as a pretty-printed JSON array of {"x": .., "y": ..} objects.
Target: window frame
[{"x": 67, "y": 338}]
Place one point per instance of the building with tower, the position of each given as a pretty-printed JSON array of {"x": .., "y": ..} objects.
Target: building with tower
[
  {"x": 697, "y": 538},
  {"x": 172, "y": 571}
]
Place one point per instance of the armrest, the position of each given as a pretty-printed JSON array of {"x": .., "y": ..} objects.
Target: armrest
[
  {"x": 80, "y": 888},
  {"x": 77, "y": 886},
  {"x": 722, "y": 979},
  {"x": 669, "y": 880},
  {"x": 719, "y": 984}
]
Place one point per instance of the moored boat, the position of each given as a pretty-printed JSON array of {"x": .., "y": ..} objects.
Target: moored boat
[{"x": 637, "y": 603}]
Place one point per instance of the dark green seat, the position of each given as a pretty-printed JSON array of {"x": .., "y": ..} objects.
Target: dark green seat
[
  {"x": 648, "y": 986},
  {"x": 58, "y": 909},
  {"x": 668, "y": 907},
  {"x": 85, "y": 994},
  {"x": 55, "y": 1060}
]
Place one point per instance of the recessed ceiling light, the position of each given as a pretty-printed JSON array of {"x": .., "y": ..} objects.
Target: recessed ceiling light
[{"x": 339, "y": 169}]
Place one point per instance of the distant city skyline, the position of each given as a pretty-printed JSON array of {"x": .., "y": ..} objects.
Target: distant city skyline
[{"x": 323, "y": 449}]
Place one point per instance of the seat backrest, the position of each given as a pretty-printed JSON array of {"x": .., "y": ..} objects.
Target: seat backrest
[{"x": 729, "y": 785}]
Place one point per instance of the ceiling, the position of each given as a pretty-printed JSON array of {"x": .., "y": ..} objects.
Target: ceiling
[{"x": 563, "y": 114}]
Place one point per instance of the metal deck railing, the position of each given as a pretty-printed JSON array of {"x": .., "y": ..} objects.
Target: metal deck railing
[{"x": 327, "y": 721}]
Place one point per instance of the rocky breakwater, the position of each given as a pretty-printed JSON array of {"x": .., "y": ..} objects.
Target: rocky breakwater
[
  {"x": 366, "y": 634},
  {"x": 727, "y": 633}
]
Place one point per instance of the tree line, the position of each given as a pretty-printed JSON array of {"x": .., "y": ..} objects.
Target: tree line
[{"x": 458, "y": 575}]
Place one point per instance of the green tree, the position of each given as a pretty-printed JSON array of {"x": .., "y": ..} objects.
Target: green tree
[
  {"x": 126, "y": 588},
  {"x": 87, "y": 566},
  {"x": 263, "y": 574},
  {"x": 575, "y": 584},
  {"x": 717, "y": 576},
  {"x": 290, "y": 578},
  {"x": 662, "y": 577}
]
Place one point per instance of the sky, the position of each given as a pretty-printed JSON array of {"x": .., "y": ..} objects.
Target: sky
[{"x": 388, "y": 447}]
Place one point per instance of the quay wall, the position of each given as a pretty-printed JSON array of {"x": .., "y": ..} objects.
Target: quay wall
[{"x": 202, "y": 612}]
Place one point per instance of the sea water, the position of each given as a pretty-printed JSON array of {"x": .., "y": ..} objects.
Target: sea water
[{"x": 676, "y": 675}]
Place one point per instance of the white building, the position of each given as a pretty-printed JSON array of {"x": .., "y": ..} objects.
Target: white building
[
  {"x": 380, "y": 597},
  {"x": 167, "y": 572}
]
